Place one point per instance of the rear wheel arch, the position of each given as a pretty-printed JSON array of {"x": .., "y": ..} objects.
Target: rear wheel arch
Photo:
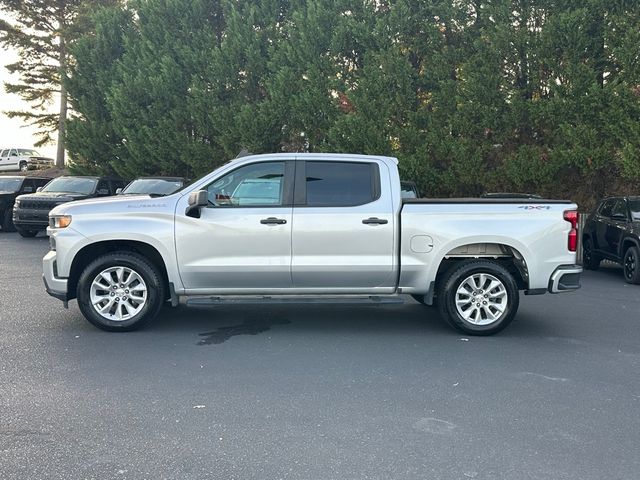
[
  {"x": 506, "y": 255},
  {"x": 628, "y": 242},
  {"x": 90, "y": 252}
]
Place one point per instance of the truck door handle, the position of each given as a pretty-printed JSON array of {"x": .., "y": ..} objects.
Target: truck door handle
[
  {"x": 375, "y": 221},
  {"x": 273, "y": 221}
]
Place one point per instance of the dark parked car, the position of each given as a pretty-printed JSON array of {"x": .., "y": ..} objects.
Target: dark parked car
[
  {"x": 10, "y": 188},
  {"x": 153, "y": 186},
  {"x": 31, "y": 212},
  {"x": 612, "y": 232}
]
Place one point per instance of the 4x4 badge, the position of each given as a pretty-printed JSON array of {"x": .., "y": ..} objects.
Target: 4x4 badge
[{"x": 535, "y": 207}]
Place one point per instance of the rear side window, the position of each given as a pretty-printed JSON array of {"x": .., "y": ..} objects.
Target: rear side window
[
  {"x": 5, "y": 153},
  {"x": 341, "y": 184}
]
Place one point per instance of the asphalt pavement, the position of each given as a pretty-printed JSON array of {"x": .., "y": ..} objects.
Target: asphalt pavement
[{"x": 318, "y": 392}]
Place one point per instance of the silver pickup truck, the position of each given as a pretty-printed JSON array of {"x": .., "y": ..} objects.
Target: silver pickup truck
[{"x": 308, "y": 228}]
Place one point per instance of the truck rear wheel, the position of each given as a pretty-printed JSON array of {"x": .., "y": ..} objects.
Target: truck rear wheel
[
  {"x": 478, "y": 297},
  {"x": 120, "y": 291}
]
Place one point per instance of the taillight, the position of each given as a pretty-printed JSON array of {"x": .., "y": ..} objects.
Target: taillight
[{"x": 571, "y": 216}]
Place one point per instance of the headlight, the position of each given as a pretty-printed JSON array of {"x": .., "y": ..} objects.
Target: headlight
[
  {"x": 17, "y": 203},
  {"x": 59, "y": 221}
]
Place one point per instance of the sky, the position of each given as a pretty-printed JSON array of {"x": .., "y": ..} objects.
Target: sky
[{"x": 13, "y": 131}]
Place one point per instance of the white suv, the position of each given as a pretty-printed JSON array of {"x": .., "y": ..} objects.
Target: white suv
[{"x": 23, "y": 159}]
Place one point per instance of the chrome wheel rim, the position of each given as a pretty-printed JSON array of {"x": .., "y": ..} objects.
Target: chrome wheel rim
[
  {"x": 118, "y": 293},
  {"x": 481, "y": 299},
  {"x": 630, "y": 265}
]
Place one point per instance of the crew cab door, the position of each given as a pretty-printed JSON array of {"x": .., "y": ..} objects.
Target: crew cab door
[
  {"x": 343, "y": 227},
  {"x": 242, "y": 240}
]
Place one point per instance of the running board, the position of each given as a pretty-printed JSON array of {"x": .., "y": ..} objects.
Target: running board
[{"x": 295, "y": 299}]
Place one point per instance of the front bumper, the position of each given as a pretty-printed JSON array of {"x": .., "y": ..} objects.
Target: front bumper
[
  {"x": 565, "y": 278},
  {"x": 31, "y": 219},
  {"x": 56, "y": 287}
]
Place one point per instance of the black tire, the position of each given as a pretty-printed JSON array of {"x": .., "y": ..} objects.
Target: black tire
[
  {"x": 631, "y": 265},
  {"x": 24, "y": 166},
  {"x": 420, "y": 299},
  {"x": 457, "y": 276},
  {"x": 7, "y": 221},
  {"x": 140, "y": 265},
  {"x": 27, "y": 233},
  {"x": 590, "y": 260}
]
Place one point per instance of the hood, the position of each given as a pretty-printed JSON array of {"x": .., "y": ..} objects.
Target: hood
[
  {"x": 3, "y": 192},
  {"x": 57, "y": 196},
  {"x": 116, "y": 204}
]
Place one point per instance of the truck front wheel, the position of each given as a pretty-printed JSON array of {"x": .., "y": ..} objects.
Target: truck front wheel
[
  {"x": 120, "y": 291},
  {"x": 478, "y": 297}
]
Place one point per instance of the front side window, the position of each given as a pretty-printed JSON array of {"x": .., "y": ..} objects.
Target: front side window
[
  {"x": 14, "y": 153},
  {"x": 341, "y": 184},
  {"x": 255, "y": 185},
  {"x": 84, "y": 186}
]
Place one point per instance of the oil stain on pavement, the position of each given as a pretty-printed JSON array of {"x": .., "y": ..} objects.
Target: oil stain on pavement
[{"x": 251, "y": 326}]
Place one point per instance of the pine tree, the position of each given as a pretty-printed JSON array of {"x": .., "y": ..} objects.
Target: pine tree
[{"x": 93, "y": 143}]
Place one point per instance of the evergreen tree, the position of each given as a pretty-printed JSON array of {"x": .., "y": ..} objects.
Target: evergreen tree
[{"x": 93, "y": 143}]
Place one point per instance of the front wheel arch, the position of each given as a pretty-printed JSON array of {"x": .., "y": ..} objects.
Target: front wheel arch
[{"x": 88, "y": 253}]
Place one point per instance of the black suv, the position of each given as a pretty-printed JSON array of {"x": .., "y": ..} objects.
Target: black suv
[
  {"x": 10, "y": 188},
  {"x": 31, "y": 212},
  {"x": 612, "y": 232}
]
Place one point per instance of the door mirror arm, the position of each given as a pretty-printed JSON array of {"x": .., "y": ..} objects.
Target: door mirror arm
[{"x": 197, "y": 200}]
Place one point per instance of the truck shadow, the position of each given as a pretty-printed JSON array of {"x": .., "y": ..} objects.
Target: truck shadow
[{"x": 216, "y": 325}]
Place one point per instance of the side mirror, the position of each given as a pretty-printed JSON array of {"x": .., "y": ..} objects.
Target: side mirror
[
  {"x": 197, "y": 200},
  {"x": 39, "y": 189},
  {"x": 620, "y": 217},
  {"x": 102, "y": 192},
  {"x": 118, "y": 191},
  {"x": 27, "y": 190}
]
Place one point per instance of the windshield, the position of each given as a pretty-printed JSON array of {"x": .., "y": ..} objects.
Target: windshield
[
  {"x": 28, "y": 152},
  {"x": 152, "y": 186},
  {"x": 84, "y": 186},
  {"x": 10, "y": 184},
  {"x": 634, "y": 206}
]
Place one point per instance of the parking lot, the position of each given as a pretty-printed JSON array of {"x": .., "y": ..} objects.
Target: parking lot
[{"x": 318, "y": 392}]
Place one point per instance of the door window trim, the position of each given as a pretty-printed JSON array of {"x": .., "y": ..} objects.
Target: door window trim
[{"x": 300, "y": 188}]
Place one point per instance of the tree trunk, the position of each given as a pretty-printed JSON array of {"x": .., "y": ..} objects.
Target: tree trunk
[{"x": 62, "y": 121}]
